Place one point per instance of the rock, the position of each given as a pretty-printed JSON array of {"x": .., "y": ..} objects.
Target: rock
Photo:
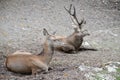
[
  {"x": 97, "y": 69},
  {"x": 111, "y": 69},
  {"x": 112, "y": 66},
  {"x": 88, "y": 68}
]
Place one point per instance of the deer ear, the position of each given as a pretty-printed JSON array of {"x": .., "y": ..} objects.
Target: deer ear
[{"x": 45, "y": 32}]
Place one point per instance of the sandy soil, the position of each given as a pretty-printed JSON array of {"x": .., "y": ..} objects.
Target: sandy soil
[{"x": 22, "y": 21}]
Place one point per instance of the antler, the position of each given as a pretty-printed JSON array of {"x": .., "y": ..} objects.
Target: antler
[{"x": 74, "y": 19}]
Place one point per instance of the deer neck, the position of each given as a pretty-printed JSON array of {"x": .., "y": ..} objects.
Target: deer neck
[
  {"x": 75, "y": 40},
  {"x": 47, "y": 52},
  {"x": 71, "y": 39},
  {"x": 78, "y": 41}
]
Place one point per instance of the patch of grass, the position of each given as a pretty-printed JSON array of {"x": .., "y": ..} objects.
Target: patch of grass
[
  {"x": 103, "y": 71},
  {"x": 118, "y": 74},
  {"x": 118, "y": 70},
  {"x": 98, "y": 78},
  {"x": 118, "y": 78}
]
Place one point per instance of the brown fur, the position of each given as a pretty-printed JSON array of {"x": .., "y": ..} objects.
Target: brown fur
[
  {"x": 70, "y": 43},
  {"x": 75, "y": 40},
  {"x": 24, "y": 62}
]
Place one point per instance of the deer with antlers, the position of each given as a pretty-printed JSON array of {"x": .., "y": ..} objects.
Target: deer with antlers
[
  {"x": 25, "y": 62},
  {"x": 73, "y": 41}
]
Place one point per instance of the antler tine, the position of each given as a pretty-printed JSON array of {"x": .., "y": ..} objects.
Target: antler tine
[
  {"x": 74, "y": 13},
  {"x": 82, "y": 22},
  {"x": 74, "y": 19},
  {"x": 70, "y": 7},
  {"x": 69, "y": 11},
  {"x": 74, "y": 16}
]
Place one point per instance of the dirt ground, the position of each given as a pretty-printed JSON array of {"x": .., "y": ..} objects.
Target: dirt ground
[{"x": 22, "y": 21}]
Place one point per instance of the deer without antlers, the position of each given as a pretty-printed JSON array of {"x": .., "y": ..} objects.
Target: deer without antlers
[
  {"x": 25, "y": 62},
  {"x": 73, "y": 41}
]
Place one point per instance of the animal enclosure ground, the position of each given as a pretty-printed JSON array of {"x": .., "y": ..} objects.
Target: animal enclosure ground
[{"x": 21, "y": 23}]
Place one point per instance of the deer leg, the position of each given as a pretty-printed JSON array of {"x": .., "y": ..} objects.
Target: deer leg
[
  {"x": 82, "y": 48},
  {"x": 34, "y": 71},
  {"x": 68, "y": 48},
  {"x": 50, "y": 68},
  {"x": 40, "y": 64}
]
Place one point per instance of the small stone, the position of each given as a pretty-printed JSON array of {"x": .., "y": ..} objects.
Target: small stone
[
  {"x": 84, "y": 68},
  {"x": 98, "y": 69},
  {"x": 65, "y": 74},
  {"x": 111, "y": 69}
]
